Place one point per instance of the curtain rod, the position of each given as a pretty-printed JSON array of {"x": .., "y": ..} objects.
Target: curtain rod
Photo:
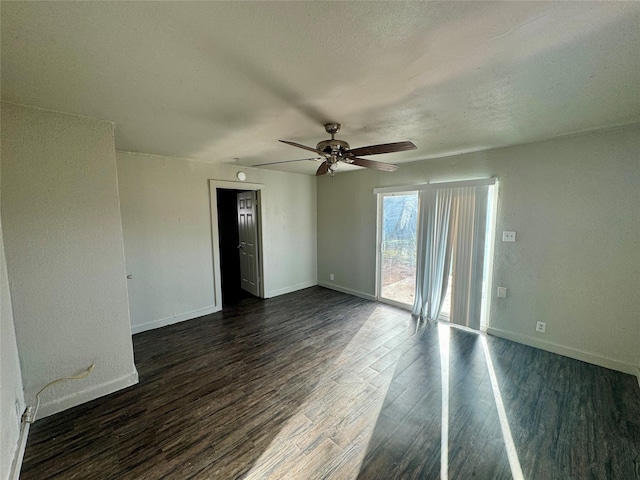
[{"x": 434, "y": 186}]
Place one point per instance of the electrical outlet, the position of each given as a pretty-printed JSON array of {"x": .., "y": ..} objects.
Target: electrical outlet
[
  {"x": 508, "y": 236},
  {"x": 541, "y": 327},
  {"x": 502, "y": 292},
  {"x": 30, "y": 414},
  {"x": 331, "y": 277}
]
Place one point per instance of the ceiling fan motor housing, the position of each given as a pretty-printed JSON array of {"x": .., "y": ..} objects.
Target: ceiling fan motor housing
[{"x": 333, "y": 147}]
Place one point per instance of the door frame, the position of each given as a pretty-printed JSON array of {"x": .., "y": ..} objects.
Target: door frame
[{"x": 215, "y": 234}]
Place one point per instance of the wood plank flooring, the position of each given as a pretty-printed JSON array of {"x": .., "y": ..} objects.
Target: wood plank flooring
[{"x": 318, "y": 384}]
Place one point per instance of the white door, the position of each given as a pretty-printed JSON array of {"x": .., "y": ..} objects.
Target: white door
[{"x": 248, "y": 233}]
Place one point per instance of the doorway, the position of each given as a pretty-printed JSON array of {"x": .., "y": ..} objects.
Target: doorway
[
  {"x": 229, "y": 241},
  {"x": 236, "y": 242}
]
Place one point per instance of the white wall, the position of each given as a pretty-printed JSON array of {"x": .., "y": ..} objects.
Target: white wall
[
  {"x": 65, "y": 256},
  {"x": 167, "y": 234},
  {"x": 575, "y": 205},
  {"x": 11, "y": 396}
]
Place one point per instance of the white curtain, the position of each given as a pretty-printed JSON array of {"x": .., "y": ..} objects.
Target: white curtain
[
  {"x": 434, "y": 252},
  {"x": 468, "y": 240},
  {"x": 451, "y": 228}
]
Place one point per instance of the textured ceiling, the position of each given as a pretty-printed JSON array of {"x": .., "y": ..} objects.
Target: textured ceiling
[{"x": 219, "y": 81}]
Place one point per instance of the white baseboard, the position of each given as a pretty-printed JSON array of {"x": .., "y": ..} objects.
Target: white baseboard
[
  {"x": 356, "y": 293},
  {"x": 293, "y": 288},
  {"x": 581, "y": 355},
  {"x": 163, "y": 322},
  {"x": 75, "y": 399}
]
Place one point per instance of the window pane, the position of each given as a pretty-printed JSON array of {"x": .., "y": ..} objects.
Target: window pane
[{"x": 398, "y": 257}]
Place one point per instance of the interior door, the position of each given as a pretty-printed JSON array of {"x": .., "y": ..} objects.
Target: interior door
[{"x": 248, "y": 233}]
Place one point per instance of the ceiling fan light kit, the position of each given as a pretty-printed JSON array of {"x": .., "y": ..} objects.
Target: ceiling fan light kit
[{"x": 334, "y": 151}]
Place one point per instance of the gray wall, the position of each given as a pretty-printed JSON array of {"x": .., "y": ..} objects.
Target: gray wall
[
  {"x": 11, "y": 396},
  {"x": 65, "y": 255},
  {"x": 575, "y": 204},
  {"x": 167, "y": 234}
]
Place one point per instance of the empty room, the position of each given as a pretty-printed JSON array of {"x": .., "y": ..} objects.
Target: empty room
[{"x": 320, "y": 240}]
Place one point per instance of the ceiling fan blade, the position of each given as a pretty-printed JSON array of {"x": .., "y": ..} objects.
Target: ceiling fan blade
[
  {"x": 363, "y": 162},
  {"x": 294, "y": 144},
  {"x": 314, "y": 159},
  {"x": 382, "y": 148},
  {"x": 324, "y": 168}
]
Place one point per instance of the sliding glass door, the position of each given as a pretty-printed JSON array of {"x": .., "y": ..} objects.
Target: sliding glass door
[
  {"x": 458, "y": 222},
  {"x": 397, "y": 248}
]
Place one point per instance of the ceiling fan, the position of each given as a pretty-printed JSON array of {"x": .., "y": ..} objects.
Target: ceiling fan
[{"x": 333, "y": 151}]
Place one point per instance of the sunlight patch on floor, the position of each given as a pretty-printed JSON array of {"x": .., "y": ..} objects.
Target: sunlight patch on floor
[
  {"x": 329, "y": 435},
  {"x": 443, "y": 337},
  {"x": 512, "y": 454}
]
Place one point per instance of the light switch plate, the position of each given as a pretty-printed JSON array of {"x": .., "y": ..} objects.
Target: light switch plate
[
  {"x": 508, "y": 236},
  {"x": 502, "y": 292}
]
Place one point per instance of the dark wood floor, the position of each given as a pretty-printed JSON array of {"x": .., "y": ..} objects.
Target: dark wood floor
[{"x": 318, "y": 384}]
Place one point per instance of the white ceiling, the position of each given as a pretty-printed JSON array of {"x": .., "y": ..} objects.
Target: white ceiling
[{"x": 218, "y": 81}]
